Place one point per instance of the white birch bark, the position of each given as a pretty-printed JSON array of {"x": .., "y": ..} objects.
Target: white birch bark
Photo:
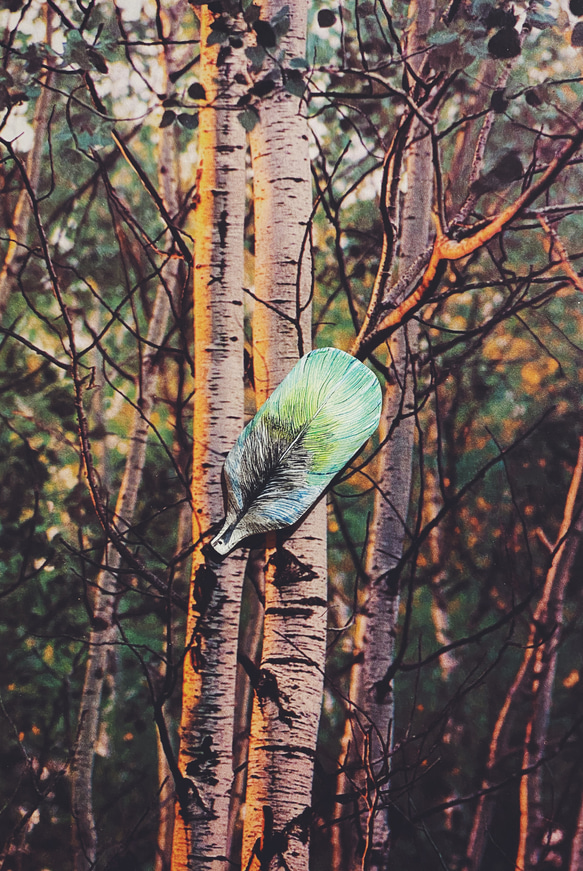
[
  {"x": 368, "y": 739},
  {"x": 101, "y": 659},
  {"x": 205, "y": 759},
  {"x": 23, "y": 209},
  {"x": 288, "y": 699}
]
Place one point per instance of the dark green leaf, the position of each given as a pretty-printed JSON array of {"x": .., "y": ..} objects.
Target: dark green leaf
[
  {"x": 256, "y": 55},
  {"x": 326, "y": 18},
  {"x": 299, "y": 63},
  {"x": 197, "y": 92},
  {"x": 365, "y": 9},
  {"x": 217, "y": 37},
  {"x": 33, "y": 59},
  {"x": 577, "y": 35},
  {"x": 190, "y": 122},
  {"x": 498, "y": 17},
  {"x": 248, "y": 118},
  {"x": 541, "y": 20},
  {"x": 168, "y": 118},
  {"x": 505, "y": 44},
  {"x": 263, "y": 87},
  {"x": 533, "y": 97},
  {"x": 280, "y": 15},
  {"x": 443, "y": 37},
  {"x": 97, "y": 60},
  {"x": 221, "y": 25},
  {"x": 265, "y": 34},
  {"x": 498, "y": 101},
  {"x": 294, "y": 83},
  {"x": 252, "y": 13}
]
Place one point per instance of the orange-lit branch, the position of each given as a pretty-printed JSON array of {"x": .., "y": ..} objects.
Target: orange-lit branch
[
  {"x": 445, "y": 250},
  {"x": 564, "y": 260}
]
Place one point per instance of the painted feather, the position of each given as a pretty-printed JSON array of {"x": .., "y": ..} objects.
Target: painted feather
[{"x": 309, "y": 428}]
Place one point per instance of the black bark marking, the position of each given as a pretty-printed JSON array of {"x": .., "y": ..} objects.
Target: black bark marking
[
  {"x": 100, "y": 624},
  {"x": 392, "y": 580},
  {"x": 271, "y": 843},
  {"x": 204, "y": 761},
  {"x": 222, "y": 227},
  {"x": 267, "y": 689},
  {"x": 289, "y": 611},
  {"x": 205, "y": 583},
  {"x": 192, "y": 807},
  {"x": 251, "y": 670},
  {"x": 289, "y": 750},
  {"x": 289, "y": 569}
]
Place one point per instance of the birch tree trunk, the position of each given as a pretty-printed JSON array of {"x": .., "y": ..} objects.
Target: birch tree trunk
[
  {"x": 534, "y": 823},
  {"x": 23, "y": 210},
  {"x": 101, "y": 661},
  {"x": 367, "y": 742},
  {"x": 287, "y": 703},
  {"x": 538, "y": 666},
  {"x": 166, "y": 791},
  {"x": 205, "y": 759}
]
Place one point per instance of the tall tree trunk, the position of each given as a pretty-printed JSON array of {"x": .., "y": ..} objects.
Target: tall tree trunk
[
  {"x": 205, "y": 760},
  {"x": 538, "y": 665},
  {"x": 286, "y": 709},
  {"x": 23, "y": 211},
  {"x": 534, "y": 824},
  {"x": 367, "y": 743},
  {"x": 101, "y": 660},
  {"x": 166, "y": 791},
  {"x": 250, "y": 645},
  {"x": 576, "y": 862}
]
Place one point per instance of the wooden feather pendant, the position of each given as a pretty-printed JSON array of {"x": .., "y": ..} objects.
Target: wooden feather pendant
[{"x": 312, "y": 424}]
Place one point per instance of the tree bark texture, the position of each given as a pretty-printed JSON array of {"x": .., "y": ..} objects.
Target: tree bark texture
[
  {"x": 101, "y": 660},
  {"x": 368, "y": 738},
  {"x": 535, "y": 674},
  {"x": 205, "y": 760},
  {"x": 23, "y": 212},
  {"x": 534, "y": 822},
  {"x": 286, "y": 709}
]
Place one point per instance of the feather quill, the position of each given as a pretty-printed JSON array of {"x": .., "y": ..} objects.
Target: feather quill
[{"x": 312, "y": 424}]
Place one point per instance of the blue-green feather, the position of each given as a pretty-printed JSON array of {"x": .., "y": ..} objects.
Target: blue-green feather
[{"x": 306, "y": 432}]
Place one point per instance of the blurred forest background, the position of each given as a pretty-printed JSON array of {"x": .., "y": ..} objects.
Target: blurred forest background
[{"x": 422, "y": 120}]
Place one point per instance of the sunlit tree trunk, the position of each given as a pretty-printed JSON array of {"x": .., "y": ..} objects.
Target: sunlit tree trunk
[
  {"x": 288, "y": 697},
  {"x": 101, "y": 662},
  {"x": 205, "y": 760},
  {"x": 23, "y": 211},
  {"x": 368, "y": 735},
  {"x": 536, "y": 672}
]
